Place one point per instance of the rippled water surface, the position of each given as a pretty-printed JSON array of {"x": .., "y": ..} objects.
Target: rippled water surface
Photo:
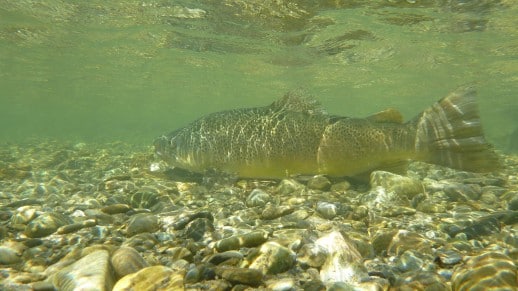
[{"x": 131, "y": 70}]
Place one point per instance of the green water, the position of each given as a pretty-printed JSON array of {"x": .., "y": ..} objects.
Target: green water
[{"x": 132, "y": 70}]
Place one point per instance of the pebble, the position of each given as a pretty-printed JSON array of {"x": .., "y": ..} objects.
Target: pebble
[
  {"x": 250, "y": 239},
  {"x": 258, "y": 198},
  {"x": 250, "y": 277},
  {"x": 401, "y": 185},
  {"x": 126, "y": 260},
  {"x": 46, "y": 224},
  {"x": 11, "y": 252},
  {"x": 319, "y": 182},
  {"x": 142, "y": 222},
  {"x": 152, "y": 278},
  {"x": 273, "y": 259},
  {"x": 327, "y": 210},
  {"x": 487, "y": 271},
  {"x": 91, "y": 272},
  {"x": 343, "y": 262}
]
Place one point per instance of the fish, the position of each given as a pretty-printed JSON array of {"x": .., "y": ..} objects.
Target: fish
[{"x": 295, "y": 136}]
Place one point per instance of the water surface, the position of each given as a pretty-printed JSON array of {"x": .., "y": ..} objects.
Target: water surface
[{"x": 131, "y": 70}]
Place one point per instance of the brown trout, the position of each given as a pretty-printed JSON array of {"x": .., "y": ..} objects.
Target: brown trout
[{"x": 294, "y": 136}]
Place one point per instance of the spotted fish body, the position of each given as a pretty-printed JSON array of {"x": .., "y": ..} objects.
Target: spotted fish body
[{"x": 295, "y": 136}]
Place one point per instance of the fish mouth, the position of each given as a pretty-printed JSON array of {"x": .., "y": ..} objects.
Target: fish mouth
[{"x": 161, "y": 144}]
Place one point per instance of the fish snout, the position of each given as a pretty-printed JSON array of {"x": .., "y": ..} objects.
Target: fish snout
[{"x": 161, "y": 146}]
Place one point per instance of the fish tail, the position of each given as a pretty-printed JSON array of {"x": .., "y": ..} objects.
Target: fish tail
[{"x": 449, "y": 133}]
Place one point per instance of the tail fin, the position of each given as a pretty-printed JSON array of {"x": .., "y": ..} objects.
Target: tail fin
[{"x": 449, "y": 133}]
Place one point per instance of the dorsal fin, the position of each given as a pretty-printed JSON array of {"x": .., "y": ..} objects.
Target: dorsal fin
[
  {"x": 387, "y": 115},
  {"x": 298, "y": 101}
]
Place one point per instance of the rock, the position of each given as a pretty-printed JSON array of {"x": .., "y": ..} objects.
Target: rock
[
  {"x": 250, "y": 239},
  {"x": 219, "y": 258},
  {"x": 11, "y": 252},
  {"x": 341, "y": 187},
  {"x": 258, "y": 198},
  {"x": 312, "y": 255},
  {"x": 46, "y": 224},
  {"x": 462, "y": 192},
  {"x": 401, "y": 185},
  {"x": 343, "y": 263},
  {"x": 142, "y": 222},
  {"x": 273, "y": 259},
  {"x": 76, "y": 226},
  {"x": 419, "y": 280},
  {"x": 488, "y": 271},
  {"x": 327, "y": 210},
  {"x": 152, "y": 278},
  {"x": 447, "y": 258},
  {"x": 199, "y": 228},
  {"x": 116, "y": 208},
  {"x": 23, "y": 215},
  {"x": 251, "y": 277},
  {"x": 405, "y": 240},
  {"x": 285, "y": 284},
  {"x": 126, "y": 260},
  {"x": 91, "y": 272},
  {"x": 271, "y": 212},
  {"x": 319, "y": 182},
  {"x": 287, "y": 187},
  {"x": 397, "y": 211}
]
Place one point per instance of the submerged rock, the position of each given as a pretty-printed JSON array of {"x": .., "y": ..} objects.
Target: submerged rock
[
  {"x": 273, "y": 258},
  {"x": 152, "y": 278},
  {"x": 92, "y": 272},
  {"x": 343, "y": 262},
  {"x": 491, "y": 270}
]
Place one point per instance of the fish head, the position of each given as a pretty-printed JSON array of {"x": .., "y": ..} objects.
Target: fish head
[
  {"x": 166, "y": 148},
  {"x": 176, "y": 150}
]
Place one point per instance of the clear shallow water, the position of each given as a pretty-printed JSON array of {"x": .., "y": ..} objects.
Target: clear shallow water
[{"x": 131, "y": 70}]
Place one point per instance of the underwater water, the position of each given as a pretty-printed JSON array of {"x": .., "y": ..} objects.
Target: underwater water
[{"x": 132, "y": 70}]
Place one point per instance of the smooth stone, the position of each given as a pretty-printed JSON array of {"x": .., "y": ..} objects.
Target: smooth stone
[
  {"x": 76, "y": 226},
  {"x": 405, "y": 240},
  {"x": 199, "y": 228},
  {"x": 288, "y": 186},
  {"x": 273, "y": 259},
  {"x": 116, "y": 208},
  {"x": 251, "y": 277},
  {"x": 397, "y": 211},
  {"x": 447, "y": 258},
  {"x": 272, "y": 212},
  {"x": 341, "y": 187},
  {"x": 343, "y": 263},
  {"x": 219, "y": 258},
  {"x": 142, "y": 222},
  {"x": 284, "y": 284},
  {"x": 46, "y": 224},
  {"x": 409, "y": 261},
  {"x": 462, "y": 192},
  {"x": 421, "y": 280},
  {"x": 487, "y": 271},
  {"x": 319, "y": 182},
  {"x": 312, "y": 255},
  {"x": 401, "y": 185},
  {"x": 327, "y": 210},
  {"x": 258, "y": 198},
  {"x": 91, "y": 272},
  {"x": 250, "y": 239},
  {"x": 126, "y": 260},
  {"x": 382, "y": 239},
  {"x": 9, "y": 255},
  {"x": 23, "y": 215},
  {"x": 152, "y": 278}
]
